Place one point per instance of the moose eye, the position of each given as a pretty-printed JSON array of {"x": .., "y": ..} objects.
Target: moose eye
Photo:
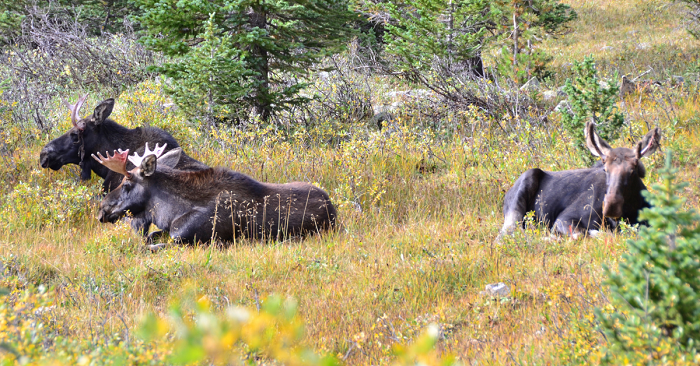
[{"x": 75, "y": 138}]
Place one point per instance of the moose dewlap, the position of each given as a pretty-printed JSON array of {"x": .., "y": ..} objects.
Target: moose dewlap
[{"x": 211, "y": 204}]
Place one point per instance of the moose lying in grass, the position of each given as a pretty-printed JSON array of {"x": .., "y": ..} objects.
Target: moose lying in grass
[
  {"x": 577, "y": 202},
  {"x": 97, "y": 133},
  {"x": 210, "y": 204}
]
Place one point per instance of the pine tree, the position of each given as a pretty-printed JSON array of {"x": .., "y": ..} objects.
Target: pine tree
[
  {"x": 590, "y": 97},
  {"x": 270, "y": 40},
  {"x": 656, "y": 286},
  {"x": 430, "y": 34},
  {"x": 520, "y": 26}
]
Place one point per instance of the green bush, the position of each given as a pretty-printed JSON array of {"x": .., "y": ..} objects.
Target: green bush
[
  {"x": 590, "y": 97},
  {"x": 32, "y": 205}
]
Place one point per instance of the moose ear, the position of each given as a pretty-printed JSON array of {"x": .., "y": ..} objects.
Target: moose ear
[
  {"x": 649, "y": 143},
  {"x": 148, "y": 166},
  {"x": 103, "y": 110},
  {"x": 596, "y": 145},
  {"x": 171, "y": 158}
]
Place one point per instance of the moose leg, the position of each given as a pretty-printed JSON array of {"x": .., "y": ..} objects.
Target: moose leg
[
  {"x": 140, "y": 225},
  {"x": 188, "y": 228},
  {"x": 571, "y": 223},
  {"x": 520, "y": 199}
]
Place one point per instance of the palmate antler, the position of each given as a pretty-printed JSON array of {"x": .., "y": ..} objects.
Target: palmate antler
[
  {"x": 75, "y": 110},
  {"x": 158, "y": 151},
  {"x": 116, "y": 162}
]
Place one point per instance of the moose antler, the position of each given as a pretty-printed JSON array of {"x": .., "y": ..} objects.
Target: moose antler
[
  {"x": 649, "y": 143},
  {"x": 116, "y": 162},
  {"x": 158, "y": 151},
  {"x": 75, "y": 109}
]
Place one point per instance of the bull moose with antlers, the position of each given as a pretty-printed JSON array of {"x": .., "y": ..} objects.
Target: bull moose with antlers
[
  {"x": 210, "y": 204},
  {"x": 98, "y": 133},
  {"x": 577, "y": 202}
]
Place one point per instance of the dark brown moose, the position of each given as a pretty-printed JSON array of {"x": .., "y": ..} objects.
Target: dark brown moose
[
  {"x": 211, "y": 204},
  {"x": 97, "y": 133},
  {"x": 577, "y": 202}
]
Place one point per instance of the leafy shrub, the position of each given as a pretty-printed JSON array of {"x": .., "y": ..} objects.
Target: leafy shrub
[
  {"x": 35, "y": 331},
  {"x": 55, "y": 54},
  {"x": 32, "y": 205},
  {"x": 655, "y": 312},
  {"x": 342, "y": 96},
  {"x": 590, "y": 97}
]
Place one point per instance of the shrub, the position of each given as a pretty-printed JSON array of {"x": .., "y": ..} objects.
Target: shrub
[
  {"x": 32, "y": 205},
  {"x": 590, "y": 97},
  {"x": 655, "y": 289},
  {"x": 55, "y": 54}
]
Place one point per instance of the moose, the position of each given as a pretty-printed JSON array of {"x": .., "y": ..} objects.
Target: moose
[
  {"x": 210, "y": 204},
  {"x": 578, "y": 202},
  {"x": 97, "y": 133}
]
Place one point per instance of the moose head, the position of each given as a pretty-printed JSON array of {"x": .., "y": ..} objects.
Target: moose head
[
  {"x": 70, "y": 148},
  {"x": 622, "y": 166},
  {"x": 133, "y": 193}
]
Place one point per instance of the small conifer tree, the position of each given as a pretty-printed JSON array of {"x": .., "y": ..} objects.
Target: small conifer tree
[
  {"x": 590, "y": 97},
  {"x": 656, "y": 286}
]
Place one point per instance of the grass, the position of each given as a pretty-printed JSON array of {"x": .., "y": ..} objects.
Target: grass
[{"x": 419, "y": 217}]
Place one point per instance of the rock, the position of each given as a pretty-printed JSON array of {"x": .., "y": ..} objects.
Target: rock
[
  {"x": 676, "y": 79},
  {"x": 497, "y": 289},
  {"x": 643, "y": 46},
  {"x": 532, "y": 84},
  {"x": 549, "y": 95},
  {"x": 413, "y": 93},
  {"x": 563, "y": 106},
  {"x": 607, "y": 48}
]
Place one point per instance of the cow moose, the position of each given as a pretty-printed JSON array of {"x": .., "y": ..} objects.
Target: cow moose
[
  {"x": 577, "y": 202},
  {"x": 97, "y": 133},
  {"x": 210, "y": 204}
]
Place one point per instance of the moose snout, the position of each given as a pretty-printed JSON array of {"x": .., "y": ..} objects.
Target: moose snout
[
  {"x": 612, "y": 205},
  {"x": 105, "y": 215},
  {"x": 44, "y": 158}
]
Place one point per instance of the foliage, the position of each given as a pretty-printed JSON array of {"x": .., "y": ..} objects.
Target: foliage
[
  {"x": 207, "y": 83},
  {"x": 655, "y": 287},
  {"x": 694, "y": 17},
  {"x": 519, "y": 25},
  {"x": 32, "y": 205},
  {"x": 34, "y": 330},
  {"x": 238, "y": 336},
  {"x": 590, "y": 97},
  {"x": 269, "y": 45},
  {"x": 434, "y": 35},
  {"x": 56, "y": 55},
  {"x": 96, "y": 16}
]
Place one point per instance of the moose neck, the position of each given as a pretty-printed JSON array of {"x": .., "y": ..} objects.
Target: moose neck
[{"x": 113, "y": 136}]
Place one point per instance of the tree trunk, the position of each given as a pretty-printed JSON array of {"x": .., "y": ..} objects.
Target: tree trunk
[{"x": 261, "y": 97}]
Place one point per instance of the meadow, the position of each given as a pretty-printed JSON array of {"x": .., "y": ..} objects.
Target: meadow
[{"x": 419, "y": 210}]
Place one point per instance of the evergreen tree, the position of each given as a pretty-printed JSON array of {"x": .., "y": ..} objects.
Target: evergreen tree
[
  {"x": 267, "y": 42},
  {"x": 656, "y": 287},
  {"x": 435, "y": 34},
  {"x": 590, "y": 97},
  {"x": 519, "y": 26}
]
